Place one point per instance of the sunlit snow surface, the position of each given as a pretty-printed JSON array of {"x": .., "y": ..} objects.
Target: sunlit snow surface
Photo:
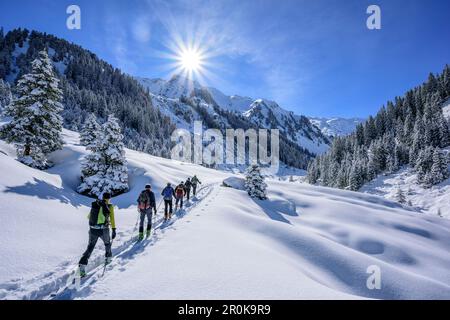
[{"x": 305, "y": 242}]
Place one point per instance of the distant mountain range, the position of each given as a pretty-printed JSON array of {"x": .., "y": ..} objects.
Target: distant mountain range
[{"x": 172, "y": 96}]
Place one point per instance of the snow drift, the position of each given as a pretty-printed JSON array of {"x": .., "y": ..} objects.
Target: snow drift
[{"x": 304, "y": 242}]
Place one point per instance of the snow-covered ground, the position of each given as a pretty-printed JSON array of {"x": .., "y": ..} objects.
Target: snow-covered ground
[
  {"x": 304, "y": 242},
  {"x": 434, "y": 200}
]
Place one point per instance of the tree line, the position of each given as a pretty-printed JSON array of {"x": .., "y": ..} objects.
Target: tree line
[{"x": 411, "y": 130}]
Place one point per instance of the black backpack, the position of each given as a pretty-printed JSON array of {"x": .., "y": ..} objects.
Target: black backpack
[{"x": 95, "y": 210}]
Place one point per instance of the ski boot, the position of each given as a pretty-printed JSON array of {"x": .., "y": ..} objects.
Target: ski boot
[
  {"x": 108, "y": 260},
  {"x": 149, "y": 232},
  {"x": 141, "y": 236},
  {"x": 82, "y": 270}
]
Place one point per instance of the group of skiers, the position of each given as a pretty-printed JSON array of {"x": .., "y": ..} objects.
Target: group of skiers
[{"x": 101, "y": 216}]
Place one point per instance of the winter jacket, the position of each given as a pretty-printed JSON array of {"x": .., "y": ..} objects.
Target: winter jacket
[
  {"x": 101, "y": 215},
  {"x": 188, "y": 185},
  {"x": 195, "y": 180}
]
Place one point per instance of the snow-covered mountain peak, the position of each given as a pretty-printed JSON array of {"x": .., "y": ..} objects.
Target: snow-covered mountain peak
[{"x": 336, "y": 126}]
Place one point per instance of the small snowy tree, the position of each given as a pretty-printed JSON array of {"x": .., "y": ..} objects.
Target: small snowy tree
[
  {"x": 423, "y": 166},
  {"x": 90, "y": 132},
  {"x": 5, "y": 95},
  {"x": 439, "y": 170},
  {"x": 399, "y": 196},
  {"x": 254, "y": 183},
  {"x": 35, "y": 128},
  {"x": 105, "y": 168}
]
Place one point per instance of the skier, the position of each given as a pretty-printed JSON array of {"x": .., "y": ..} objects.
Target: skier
[
  {"x": 180, "y": 191},
  {"x": 187, "y": 187},
  {"x": 146, "y": 204},
  {"x": 194, "y": 182},
  {"x": 101, "y": 217},
  {"x": 168, "y": 193}
]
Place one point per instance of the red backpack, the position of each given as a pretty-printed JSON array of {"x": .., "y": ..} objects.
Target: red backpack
[{"x": 179, "y": 191}]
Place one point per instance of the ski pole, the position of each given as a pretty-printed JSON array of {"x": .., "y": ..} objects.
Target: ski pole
[
  {"x": 136, "y": 224},
  {"x": 159, "y": 205}
]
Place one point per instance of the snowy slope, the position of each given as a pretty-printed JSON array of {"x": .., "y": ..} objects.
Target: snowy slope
[
  {"x": 305, "y": 242},
  {"x": 334, "y": 127},
  {"x": 435, "y": 200}
]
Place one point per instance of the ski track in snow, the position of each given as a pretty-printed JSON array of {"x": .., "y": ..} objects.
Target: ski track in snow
[{"x": 57, "y": 285}]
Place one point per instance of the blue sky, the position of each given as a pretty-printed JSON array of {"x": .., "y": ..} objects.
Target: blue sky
[{"x": 313, "y": 57}]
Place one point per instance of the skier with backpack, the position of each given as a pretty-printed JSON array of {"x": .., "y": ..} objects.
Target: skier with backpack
[
  {"x": 195, "y": 182},
  {"x": 101, "y": 218},
  {"x": 180, "y": 191},
  {"x": 187, "y": 187},
  {"x": 146, "y": 204},
  {"x": 168, "y": 193}
]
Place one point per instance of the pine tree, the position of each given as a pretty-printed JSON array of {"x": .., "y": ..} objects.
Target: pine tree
[
  {"x": 90, "y": 132},
  {"x": 254, "y": 183},
  {"x": 439, "y": 169},
  {"x": 399, "y": 196},
  {"x": 5, "y": 95},
  {"x": 423, "y": 166},
  {"x": 356, "y": 179},
  {"x": 36, "y": 124},
  {"x": 105, "y": 168}
]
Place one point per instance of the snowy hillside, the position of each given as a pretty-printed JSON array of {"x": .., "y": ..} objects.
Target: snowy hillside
[
  {"x": 334, "y": 127},
  {"x": 434, "y": 200},
  {"x": 169, "y": 95},
  {"x": 304, "y": 242}
]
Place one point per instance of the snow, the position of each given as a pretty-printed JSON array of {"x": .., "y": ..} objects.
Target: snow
[
  {"x": 432, "y": 200},
  {"x": 233, "y": 103},
  {"x": 446, "y": 109},
  {"x": 234, "y": 182},
  {"x": 305, "y": 242},
  {"x": 336, "y": 126}
]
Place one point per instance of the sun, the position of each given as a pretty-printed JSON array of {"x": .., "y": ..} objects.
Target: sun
[{"x": 190, "y": 60}]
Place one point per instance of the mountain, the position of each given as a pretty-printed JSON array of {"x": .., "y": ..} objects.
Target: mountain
[
  {"x": 335, "y": 127},
  {"x": 304, "y": 242},
  {"x": 185, "y": 101},
  {"x": 89, "y": 85}
]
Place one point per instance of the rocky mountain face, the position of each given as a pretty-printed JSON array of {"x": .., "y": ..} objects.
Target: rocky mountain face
[{"x": 185, "y": 101}]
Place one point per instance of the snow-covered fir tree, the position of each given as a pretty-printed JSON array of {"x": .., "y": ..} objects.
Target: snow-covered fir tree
[
  {"x": 400, "y": 196},
  {"x": 5, "y": 95},
  {"x": 254, "y": 183},
  {"x": 423, "y": 166},
  {"x": 89, "y": 132},
  {"x": 105, "y": 168},
  {"x": 36, "y": 125},
  {"x": 439, "y": 169}
]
